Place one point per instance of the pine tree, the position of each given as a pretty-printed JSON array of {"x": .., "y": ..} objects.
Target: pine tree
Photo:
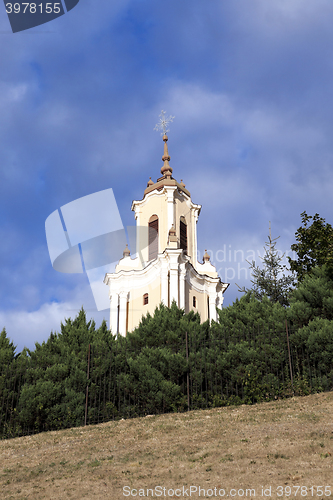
[
  {"x": 7, "y": 349},
  {"x": 313, "y": 297},
  {"x": 271, "y": 280}
]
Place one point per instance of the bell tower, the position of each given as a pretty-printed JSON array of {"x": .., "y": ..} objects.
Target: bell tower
[
  {"x": 165, "y": 268},
  {"x": 166, "y": 203}
]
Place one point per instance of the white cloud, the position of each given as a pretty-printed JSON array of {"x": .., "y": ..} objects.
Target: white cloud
[
  {"x": 25, "y": 328},
  {"x": 281, "y": 19}
]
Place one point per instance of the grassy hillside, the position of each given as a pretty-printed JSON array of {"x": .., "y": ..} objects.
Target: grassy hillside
[{"x": 287, "y": 443}]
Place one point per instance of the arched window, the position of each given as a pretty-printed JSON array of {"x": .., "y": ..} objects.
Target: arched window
[
  {"x": 145, "y": 299},
  {"x": 183, "y": 234},
  {"x": 194, "y": 302},
  {"x": 153, "y": 237}
]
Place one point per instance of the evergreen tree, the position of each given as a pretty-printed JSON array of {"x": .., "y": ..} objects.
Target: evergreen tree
[
  {"x": 54, "y": 391},
  {"x": 7, "y": 349},
  {"x": 271, "y": 280},
  {"x": 249, "y": 312},
  {"x": 251, "y": 332},
  {"x": 313, "y": 298}
]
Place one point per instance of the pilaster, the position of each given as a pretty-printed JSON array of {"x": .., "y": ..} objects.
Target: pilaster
[
  {"x": 122, "y": 313},
  {"x": 182, "y": 277},
  {"x": 212, "y": 306},
  {"x": 169, "y": 191},
  {"x": 164, "y": 283},
  {"x": 195, "y": 216},
  {"x": 114, "y": 313},
  {"x": 173, "y": 255}
]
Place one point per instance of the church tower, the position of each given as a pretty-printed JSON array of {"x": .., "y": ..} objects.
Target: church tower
[{"x": 165, "y": 267}]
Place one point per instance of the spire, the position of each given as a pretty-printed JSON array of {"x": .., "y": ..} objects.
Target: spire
[{"x": 166, "y": 170}]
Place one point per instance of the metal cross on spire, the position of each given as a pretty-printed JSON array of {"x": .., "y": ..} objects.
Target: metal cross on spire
[{"x": 163, "y": 123}]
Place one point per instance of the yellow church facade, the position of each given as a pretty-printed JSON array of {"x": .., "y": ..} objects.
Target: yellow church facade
[{"x": 165, "y": 267}]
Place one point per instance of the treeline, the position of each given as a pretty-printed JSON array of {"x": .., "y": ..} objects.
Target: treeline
[
  {"x": 171, "y": 362},
  {"x": 274, "y": 342}
]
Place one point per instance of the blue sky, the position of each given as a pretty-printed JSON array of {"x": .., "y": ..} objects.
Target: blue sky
[{"x": 250, "y": 86}]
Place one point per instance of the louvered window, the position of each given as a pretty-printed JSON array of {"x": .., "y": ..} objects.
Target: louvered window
[
  {"x": 194, "y": 302},
  {"x": 183, "y": 234},
  {"x": 153, "y": 237},
  {"x": 145, "y": 299}
]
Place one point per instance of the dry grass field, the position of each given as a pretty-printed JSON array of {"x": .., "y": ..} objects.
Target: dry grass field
[{"x": 225, "y": 451}]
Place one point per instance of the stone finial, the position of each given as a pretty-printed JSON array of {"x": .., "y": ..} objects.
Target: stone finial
[
  {"x": 150, "y": 182},
  {"x": 126, "y": 252},
  {"x": 206, "y": 257},
  {"x": 181, "y": 183}
]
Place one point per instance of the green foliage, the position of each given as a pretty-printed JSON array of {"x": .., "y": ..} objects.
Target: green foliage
[
  {"x": 242, "y": 358},
  {"x": 248, "y": 312},
  {"x": 7, "y": 349},
  {"x": 314, "y": 245},
  {"x": 270, "y": 280},
  {"x": 316, "y": 339},
  {"x": 87, "y": 373},
  {"x": 56, "y": 376},
  {"x": 7, "y": 356},
  {"x": 167, "y": 326},
  {"x": 158, "y": 360},
  {"x": 313, "y": 298}
]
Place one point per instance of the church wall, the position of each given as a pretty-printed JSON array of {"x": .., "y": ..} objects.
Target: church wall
[
  {"x": 136, "y": 307},
  {"x": 201, "y": 302}
]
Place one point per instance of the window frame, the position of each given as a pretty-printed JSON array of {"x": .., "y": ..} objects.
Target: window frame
[
  {"x": 153, "y": 225},
  {"x": 183, "y": 234}
]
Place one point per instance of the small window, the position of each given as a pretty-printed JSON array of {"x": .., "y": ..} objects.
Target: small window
[
  {"x": 145, "y": 299},
  {"x": 194, "y": 302}
]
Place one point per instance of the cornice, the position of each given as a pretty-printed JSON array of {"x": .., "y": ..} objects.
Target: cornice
[
  {"x": 202, "y": 282},
  {"x": 157, "y": 188},
  {"x": 130, "y": 273},
  {"x": 160, "y": 192},
  {"x": 151, "y": 194},
  {"x": 162, "y": 181},
  {"x": 138, "y": 278}
]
